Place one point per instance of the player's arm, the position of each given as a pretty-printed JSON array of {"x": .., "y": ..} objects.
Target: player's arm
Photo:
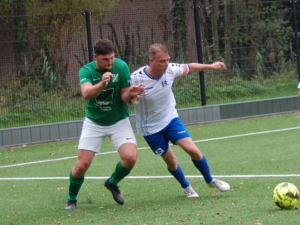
[
  {"x": 132, "y": 92},
  {"x": 88, "y": 90},
  {"x": 196, "y": 67}
]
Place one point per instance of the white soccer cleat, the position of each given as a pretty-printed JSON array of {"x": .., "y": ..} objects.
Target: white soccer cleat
[
  {"x": 221, "y": 185},
  {"x": 189, "y": 192}
]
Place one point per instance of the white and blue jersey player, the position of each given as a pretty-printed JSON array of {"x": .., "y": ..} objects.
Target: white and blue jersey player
[{"x": 157, "y": 118}]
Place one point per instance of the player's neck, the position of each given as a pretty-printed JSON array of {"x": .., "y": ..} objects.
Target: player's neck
[{"x": 153, "y": 73}]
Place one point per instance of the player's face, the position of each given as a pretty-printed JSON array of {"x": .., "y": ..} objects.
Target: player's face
[
  {"x": 105, "y": 62},
  {"x": 160, "y": 62}
]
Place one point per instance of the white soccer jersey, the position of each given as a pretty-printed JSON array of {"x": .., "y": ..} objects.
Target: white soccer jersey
[
  {"x": 157, "y": 105},
  {"x": 299, "y": 85}
]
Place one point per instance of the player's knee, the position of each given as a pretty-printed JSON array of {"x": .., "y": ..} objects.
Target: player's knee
[
  {"x": 81, "y": 167},
  {"x": 131, "y": 160}
]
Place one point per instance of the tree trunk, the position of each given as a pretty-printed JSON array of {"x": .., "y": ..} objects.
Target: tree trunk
[
  {"x": 215, "y": 31},
  {"x": 21, "y": 45}
]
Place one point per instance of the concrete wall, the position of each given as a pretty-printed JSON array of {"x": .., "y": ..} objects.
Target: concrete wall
[{"x": 206, "y": 114}]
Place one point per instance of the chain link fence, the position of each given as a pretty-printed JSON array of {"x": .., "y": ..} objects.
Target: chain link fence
[{"x": 42, "y": 53}]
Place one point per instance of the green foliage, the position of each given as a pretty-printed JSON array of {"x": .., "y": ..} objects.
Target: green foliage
[
  {"x": 180, "y": 24},
  {"x": 262, "y": 36},
  {"x": 50, "y": 79},
  {"x": 43, "y": 30},
  {"x": 30, "y": 104},
  {"x": 47, "y": 28},
  {"x": 34, "y": 103},
  {"x": 132, "y": 51}
]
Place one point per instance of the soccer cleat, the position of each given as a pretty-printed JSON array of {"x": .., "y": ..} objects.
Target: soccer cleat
[
  {"x": 189, "y": 192},
  {"x": 221, "y": 185},
  {"x": 117, "y": 195},
  {"x": 71, "y": 205}
]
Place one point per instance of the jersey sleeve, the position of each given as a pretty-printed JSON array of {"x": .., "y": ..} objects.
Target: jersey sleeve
[
  {"x": 84, "y": 75},
  {"x": 299, "y": 85},
  {"x": 180, "y": 69},
  {"x": 125, "y": 76}
]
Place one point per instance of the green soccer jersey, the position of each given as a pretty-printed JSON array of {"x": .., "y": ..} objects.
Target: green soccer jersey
[{"x": 107, "y": 108}]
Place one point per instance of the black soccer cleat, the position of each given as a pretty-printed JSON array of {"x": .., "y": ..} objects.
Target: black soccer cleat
[
  {"x": 117, "y": 195},
  {"x": 71, "y": 205}
]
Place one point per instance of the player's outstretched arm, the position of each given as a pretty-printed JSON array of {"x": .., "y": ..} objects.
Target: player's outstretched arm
[{"x": 196, "y": 67}]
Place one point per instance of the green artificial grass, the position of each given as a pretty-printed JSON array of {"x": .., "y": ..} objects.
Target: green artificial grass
[{"x": 252, "y": 155}]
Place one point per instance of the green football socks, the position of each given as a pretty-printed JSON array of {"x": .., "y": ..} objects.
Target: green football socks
[
  {"x": 119, "y": 174},
  {"x": 75, "y": 184}
]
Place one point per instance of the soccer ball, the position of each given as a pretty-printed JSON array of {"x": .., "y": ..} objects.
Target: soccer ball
[{"x": 285, "y": 195}]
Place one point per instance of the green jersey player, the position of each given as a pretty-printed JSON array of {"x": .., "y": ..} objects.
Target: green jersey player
[{"x": 105, "y": 85}]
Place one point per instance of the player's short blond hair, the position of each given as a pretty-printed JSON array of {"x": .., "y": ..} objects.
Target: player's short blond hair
[{"x": 155, "y": 48}]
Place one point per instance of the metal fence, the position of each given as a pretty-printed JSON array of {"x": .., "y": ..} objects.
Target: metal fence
[{"x": 41, "y": 54}]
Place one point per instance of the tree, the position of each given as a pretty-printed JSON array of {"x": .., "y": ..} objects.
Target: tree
[
  {"x": 179, "y": 26},
  {"x": 42, "y": 30}
]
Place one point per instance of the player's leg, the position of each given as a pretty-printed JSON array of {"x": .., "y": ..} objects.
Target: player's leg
[
  {"x": 77, "y": 175},
  {"x": 128, "y": 155},
  {"x": 159, "y": 145},
  {"x": 89, "y": 143},
  {"x": 179, "y": 135},
  {"x": 175, "y": 169},
  {"x": 197, "y": 157},
  {"x": 123, "y": 139},
  {"x": 200, "y": 162}
]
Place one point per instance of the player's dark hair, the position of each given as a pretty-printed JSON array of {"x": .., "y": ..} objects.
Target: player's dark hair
[{"x": 103, "y": 47}]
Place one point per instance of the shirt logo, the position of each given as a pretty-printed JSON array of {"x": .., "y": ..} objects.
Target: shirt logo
[
  {"x": 164, "y": 83},
  {"x": 115, "y": 78}
]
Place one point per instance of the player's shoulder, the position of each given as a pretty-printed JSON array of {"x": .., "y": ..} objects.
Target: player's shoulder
[
  {"x": 118, "y": 61},
  {"x": 174, "y": 65},
  {"x": 138, "y": 71},
  {"x": 91, "y": 66},
  {"x": 178, "y": 68}
]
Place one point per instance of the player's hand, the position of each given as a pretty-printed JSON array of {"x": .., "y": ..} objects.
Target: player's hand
[
  {"x": 135, "y": 100},
  {"x": 135, "y": 90},
  {"x": 218, "y": 66},
  {"x": 106, "y": 78}
]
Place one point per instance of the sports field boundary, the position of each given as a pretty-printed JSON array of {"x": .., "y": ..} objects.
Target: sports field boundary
[
  {"x": 153, "y": 177},
  {"x": 204, "y": 114},
  {"x": 142, "y": 148}
]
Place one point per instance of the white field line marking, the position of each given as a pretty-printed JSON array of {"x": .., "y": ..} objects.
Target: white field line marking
[
  {"x": 249, "y": 134},
  {"x": 153, "y": 177},
  {"x": 210, "y": 139}
]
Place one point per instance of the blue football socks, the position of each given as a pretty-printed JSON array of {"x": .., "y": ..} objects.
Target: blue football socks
[
  {"x": 203, "y": 167},
  {"x": 179, "y": 175}
]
